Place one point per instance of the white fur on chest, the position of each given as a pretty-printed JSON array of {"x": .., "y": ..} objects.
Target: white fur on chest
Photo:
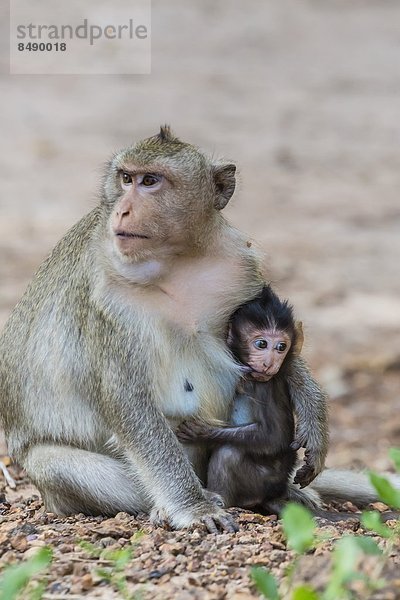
[{"x": 198, "y": 377}]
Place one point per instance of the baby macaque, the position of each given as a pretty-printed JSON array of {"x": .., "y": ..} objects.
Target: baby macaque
[{"x": 254, "y": 456}]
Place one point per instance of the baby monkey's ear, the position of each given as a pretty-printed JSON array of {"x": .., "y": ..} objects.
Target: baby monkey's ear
[{"x": 298, "y": 328}]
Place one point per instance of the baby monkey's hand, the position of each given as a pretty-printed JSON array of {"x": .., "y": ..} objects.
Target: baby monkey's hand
[
  {"x": 312, "y": 463},
  {"x": 308, "y": 472},
  {"x": 191, "y": 431}
]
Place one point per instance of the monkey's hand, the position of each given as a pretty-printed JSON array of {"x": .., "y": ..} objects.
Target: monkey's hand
[
  {"x": 208, "y": 514},
  {"x": 305, "y": 475},
  {"x": 314, "y": 459},
  {"x": 192, "y": 431}
]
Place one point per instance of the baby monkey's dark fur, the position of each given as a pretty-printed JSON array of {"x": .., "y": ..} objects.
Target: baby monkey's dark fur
[{"x": 252, "y": 458}]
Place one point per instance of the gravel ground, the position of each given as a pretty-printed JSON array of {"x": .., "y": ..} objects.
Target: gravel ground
[{"x": 168, "y": 564}]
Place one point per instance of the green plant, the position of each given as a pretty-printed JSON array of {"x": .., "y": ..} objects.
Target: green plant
[
  {"x": 114, "y": 572},
  {"x": 299, "y": 528},
  {"x": 16, "y": 578}
]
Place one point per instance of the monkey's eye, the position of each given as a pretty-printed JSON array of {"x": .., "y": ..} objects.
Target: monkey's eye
[
  {"x": 126, "y": 179},
  {"x": 261, "y": 344},
  {"x": 281, "y": 346},
  {"x": 148, "y": 180}
]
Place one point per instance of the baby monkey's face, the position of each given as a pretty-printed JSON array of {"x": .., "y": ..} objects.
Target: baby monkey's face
[{"x": 264, "y": 352}]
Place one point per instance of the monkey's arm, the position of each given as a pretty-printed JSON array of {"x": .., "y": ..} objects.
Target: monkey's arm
[
  {"x": 310, "y": 406},
  {"x": 251, "y": 436},
  {"x": 150, "y": 445}
]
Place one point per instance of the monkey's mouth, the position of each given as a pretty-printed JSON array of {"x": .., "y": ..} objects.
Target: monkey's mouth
[
  {"x": 258, "y": 375},
  {"x": 129, "y": 235}
]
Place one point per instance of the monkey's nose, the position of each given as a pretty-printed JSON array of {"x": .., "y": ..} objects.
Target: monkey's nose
[{"x": 123, "y": 213}]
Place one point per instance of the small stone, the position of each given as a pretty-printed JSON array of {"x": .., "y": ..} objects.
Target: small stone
[
  {"x": 350, "y": 507},
  {"x": 65, "y": 548},
  {"x": 19, "y": 543},
  {"x": 87, "y": 582},
  {"x": 379, "y": 506},
  {"x": 64, "y": 568},
  {"x": 107, "y": 541}
]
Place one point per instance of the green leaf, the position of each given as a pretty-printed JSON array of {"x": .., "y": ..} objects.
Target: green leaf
[
  {"x": 394, "y": 455},
  {"x": 122, "y": 558},
  {"x": 104, "y": 574},
  {"x": 90, "y": 549},
  {"x": 367, "y": 545},
  {"x": 386, "y": 492},
  {"x": 17, "y": 577},
  {"x": 265, "y": 583},
  {"x": 372, "y": 520},
  {"x": 345, "y": 558},
  {"x": 305, "y": 592},
  {"x": 37, "y": 592},
  {"x": 299, "y": 527}
]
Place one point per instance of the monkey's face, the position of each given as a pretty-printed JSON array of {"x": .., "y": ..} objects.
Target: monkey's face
[
  {"x": 162, "y": 195},
  {"x": 263, "y": 352},
  {"x": 138, "y": 224}
]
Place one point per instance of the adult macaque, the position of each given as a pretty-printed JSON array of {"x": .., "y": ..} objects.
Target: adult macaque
[
  {"x": 121, "y": 336},
  {"x": 252, "y": 458}
]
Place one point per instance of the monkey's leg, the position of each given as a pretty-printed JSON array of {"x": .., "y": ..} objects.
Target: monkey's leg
[
  {"x": 235, "y": 477},
  {"x": 73, "y": 481},
  {"x": 221, "y": 477},
  {"x": 198, "y": 456}
]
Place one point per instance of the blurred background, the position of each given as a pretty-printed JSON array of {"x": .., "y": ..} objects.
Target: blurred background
[{"x": 304, "y": 96}]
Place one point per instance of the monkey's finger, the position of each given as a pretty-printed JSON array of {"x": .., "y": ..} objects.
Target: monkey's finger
[
  {"x": 304, "y": 477},
  {"x": 228, "y": 524},
  {"x": 185, "y": 438},
  {"x": 210, "y": 525}
]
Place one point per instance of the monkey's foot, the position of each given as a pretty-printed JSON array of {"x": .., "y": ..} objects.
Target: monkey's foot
[
  {"x": 208, "y": 514},
  {"x": 159, "y": 518},
  {"x": 218, "y": 524}
]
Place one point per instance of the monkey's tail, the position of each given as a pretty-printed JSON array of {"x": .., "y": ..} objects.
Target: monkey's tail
[
  {"x": 346, "y": 485},
  {"x": 306, "y": 496}
]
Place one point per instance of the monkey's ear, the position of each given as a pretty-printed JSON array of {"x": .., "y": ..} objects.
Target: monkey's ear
[
  {"x": 298, "y": 327},
  {"x": 225, "y": 181}
]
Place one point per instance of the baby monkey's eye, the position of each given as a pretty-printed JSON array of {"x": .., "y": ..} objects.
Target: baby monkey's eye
[
  {"x": 126, "y": 178},
  {"x": 281, "y": 346},
  {"x": 148, "y": 180},
  {"x": 261, "y": 344}
]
